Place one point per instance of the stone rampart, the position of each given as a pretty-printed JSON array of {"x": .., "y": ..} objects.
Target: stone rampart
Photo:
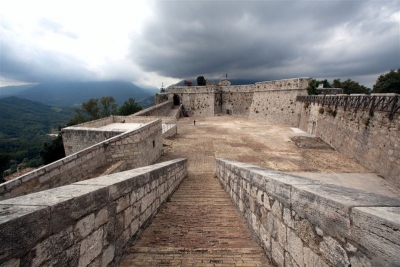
[
  {"x": 89, "y": 223},
  {"x": 271, "y": 101},
  {"x": 157, "y": 110},
  {"x": 78, "y": 138},
  {"x": 302, "y": 222},
  {"x": 371, "y": 139},
  {"x": 81, "y": 136},
  {"x": 236, "y": 100},
  {"x": 97, "y": 123},
  {"x": 137, "y": 148},
  {"x": 276, "y": 106}
]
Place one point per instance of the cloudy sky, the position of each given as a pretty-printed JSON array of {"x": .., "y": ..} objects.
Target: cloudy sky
[{"x": 149, "y": 42}]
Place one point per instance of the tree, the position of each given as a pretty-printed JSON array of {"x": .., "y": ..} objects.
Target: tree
[
  {"x": 95, "y": 109},
  {"x": 53, "y": 151},
  {"x": 201, "y": 81},
  {"x": 4, "y": 164},
  {"x": 313, "y": 85},
  {"x": 108, "y": 106},
  {"x": 129, "y": 107},
  {"x": 388, "y": 83},
  {"x": 350, "y": 87}
]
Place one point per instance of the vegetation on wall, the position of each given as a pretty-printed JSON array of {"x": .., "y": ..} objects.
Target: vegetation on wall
[
  {"x": 201, "y": 81},
  {"x": 129, "y": 107},
  {"x": 388, "y": 83},
  {"x": 349, "y": 86},
  {"x": 95, "y": 109}
]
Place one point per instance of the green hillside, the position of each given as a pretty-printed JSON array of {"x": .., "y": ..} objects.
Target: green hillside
[
  {"x": 24, "y": 128},
  {"x": 25, "y": 118},
  {"x": 73, "y": 94}
]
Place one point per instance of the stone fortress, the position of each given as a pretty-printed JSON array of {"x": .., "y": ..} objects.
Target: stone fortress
[{"x": 87, "y": 208}]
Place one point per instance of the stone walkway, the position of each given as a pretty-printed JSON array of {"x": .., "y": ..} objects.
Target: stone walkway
[{"x": 199, "y": 226}]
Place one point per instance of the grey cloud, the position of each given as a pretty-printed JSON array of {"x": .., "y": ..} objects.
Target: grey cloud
[
  {"x": 21, "y": 62},
  {"x": 267, "y": 39}
]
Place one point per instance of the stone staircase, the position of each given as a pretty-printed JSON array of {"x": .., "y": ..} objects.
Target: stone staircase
[{"x": 199, "y": 226}]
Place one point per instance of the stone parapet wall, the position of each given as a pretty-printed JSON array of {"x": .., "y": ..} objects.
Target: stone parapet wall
[
  {"x": 78, "y": 138},
  {"x": 302, "y": 222},
  {"x": 137, "y": 148},
  {"x": 276, "y": 106},
  {"x": 89, "y": 223},
  {"x": 96, "y": 123},
  {"x": 371, "y": 139},
  {"x": 271, "y": 101},
  {"x": 157, "y": 110},
  {"x": 236, "y": 100},
  {"x": 284, "y": 84}
]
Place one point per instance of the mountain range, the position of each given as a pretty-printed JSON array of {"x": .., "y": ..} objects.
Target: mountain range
[{"x": 73, "y": 94}]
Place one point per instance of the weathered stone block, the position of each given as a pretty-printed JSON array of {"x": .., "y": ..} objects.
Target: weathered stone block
[
  {"x": 108, "y": 256},
  {"x": 328, "y": 206},
  {"x": 11, "y": 263},
  {"x": 295, "y": 247},
  {"x": 334, "y": 252},
  {"x": 312, "y": 259},
  {"x": 377, "y": 229},
  {"x": 91, "y": 247},
  {"x": 278, "y": 253},
  {"x": 101, "y": 217},
  {"x": 84, "y": 227},
  {"x": 21, "y": 227},
  {"x": 289, "y": 261}
]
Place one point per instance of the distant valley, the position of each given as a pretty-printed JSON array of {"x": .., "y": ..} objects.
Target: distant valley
[
  {"x": 29, "y": 113},
  {"x": 73, "y": 94}
]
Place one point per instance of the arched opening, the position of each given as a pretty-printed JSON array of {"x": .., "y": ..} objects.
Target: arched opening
[{"x": 176, "y": 100}]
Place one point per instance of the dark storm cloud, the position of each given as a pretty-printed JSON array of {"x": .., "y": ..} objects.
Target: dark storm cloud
[
  {"x": 269, "y": 39},
  {"x": 21, "y": 62}
]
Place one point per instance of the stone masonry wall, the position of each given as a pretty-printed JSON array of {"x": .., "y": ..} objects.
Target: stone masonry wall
[
  {"x": 78, "y": 138},
  {"x": 270, "y": 101},
  {"x": 157, "y": 110},
  {"x": 237, "y": 99},
  {"x": 275, "y": 101},
  {"x": 97, "y": 123},
  {"x": 137, "y": 148},
  {"x": 196, "y": 100},
  {"x": 84, "y": 135},
  {"x": 89, "y": 223},
  {"x": 373, "y": 141},
  {"x": 302, "y": 222}
]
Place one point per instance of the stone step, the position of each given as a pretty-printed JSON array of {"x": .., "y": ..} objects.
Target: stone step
[{"x": 199, "y": 226}]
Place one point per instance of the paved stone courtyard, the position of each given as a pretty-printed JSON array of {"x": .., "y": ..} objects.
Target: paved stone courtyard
[{"x": 199, "y": 226}]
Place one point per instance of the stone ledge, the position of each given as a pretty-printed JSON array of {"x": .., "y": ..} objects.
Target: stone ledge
[
  {"x": 341, "y": 225},
  {"x": 85, "y": 218}
]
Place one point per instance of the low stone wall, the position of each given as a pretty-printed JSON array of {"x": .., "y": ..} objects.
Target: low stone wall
[
  {"x": 78, "y": 138},
  {"x": 371, "y": 139},
  {"x": 97, "y": 123},
  {"x": 84, "y": 135},
  {"x": 157, "y": 110},
  {"x": 137, "y": 148},
  {"x": 170, "y": 130},
  {"x": 302, "y": 222},
  {"x": 89, "y": 223}
]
